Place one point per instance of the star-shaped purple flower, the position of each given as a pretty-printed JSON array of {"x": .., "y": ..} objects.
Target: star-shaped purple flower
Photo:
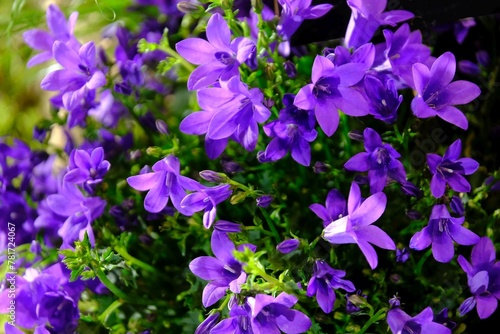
[
  {"x": 449, "y": 169},
  {"x": 437, "y": 95},
  {"x": 293, "y": 131},
  {"x": 483, "y": 277},
  {"x": 383, "y": 98},
  {"x": 80, "y": 72},
  {"x": 223, "y": 271},
  {"x": 380, "y": 160},
  {"x": 366, "y": 17},
  {"x": 87, "y": 168},
  {"x": 59, "y": 30},
  {"x": 335, "y": 207},
  {"x": 330, "y": 90},
  {"x": 442, "y": 231},
  {"x": 400, "y": 322},
  {"x": 164, "y": 183},
  {"x": 219, "y": 57},
  {"x": 357, "y": 228},
  {"x": 323, "y": 283}
]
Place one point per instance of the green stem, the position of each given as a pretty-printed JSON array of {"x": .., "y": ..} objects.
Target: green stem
[
  {"x": 271, "y": 225},
  {"x": 188, "y": 66},
  {"x": 224, "y": 303},
  {"x": 123, "y": 252},
  {"x": 111, "y": 308},
  {"x": 110, "y": 285},
  {"x": 376, "y": 317}
]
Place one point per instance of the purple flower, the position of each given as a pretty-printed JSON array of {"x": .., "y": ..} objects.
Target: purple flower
[
  {"x": 293, "y": 131},
  {"x": 108, "y": 110},
  {"x": 219, "y": 58},
  {"x": 79, "y": 211},
  {"x": 271, "y": 315},
  {"x": 164, "y": 183},
  {"x": 383, "y": 98},
  {"x": 233, "y": 111},
  {"x": 442, "y": 318},
  {"x": 206, "y": 326},
  {"x": 402, "y": 255},
  {"x": 366, "y": 17},
  {"x": 404, "y": 48},
  {"x": 239, "y": 321},
  {"x": 330, "y": 90},
  {"x": 45, "y": 298},
  {"x": 292, "y": 14},
  {"x": 437, "y": 95},
  {"x": 287, "y": 246},
  {"x": 422, "y": 323},
  {"x": 468, "y": 67},
  {"x": 223, "y": 271},
  {"x": 461, "y": 28},
  {"x": 441, "y": 231},
  {"x": 380, "y": 160},
  {"x": 79, "y": 73},
  {"x": 336, "y": 207},
  {"x": 207, "y": 199},
  {"x": 449, "y": 169},
  {"x": 353, "y": 302},
  {"x": 323, "y": 283},
  {"x": 87, "y": 168},
  {"x": 483, "y": 278},
  {"x": 457, "y": 206},
  {"x": 356, "y": 227},
  {"x": 59, "y": 30}
]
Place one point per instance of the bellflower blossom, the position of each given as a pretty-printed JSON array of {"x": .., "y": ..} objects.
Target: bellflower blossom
[
  {"x": 219, "y": 57},
  {"x": 380, "y": 160},
  {"x": 356, "y": 227},
  {"x": 441, "y": 232},
  {"x": 80, "y": 73},
  {"x": 79, "y": 211},
  {"x": 449, "y": 169},
  {"x": 483, "y": 277},
  {"x": 383, "y": 99},
  {"x": 323, "y": 283},
  {"x": 403, "y": 48},
  {"x": 164, "y": 183},
  {"x": 330, "y": 90},
  {"x": 293, "y": 131},
  {"x": 292, "y": 14},
  {"x": 233, "y": 112},
  {"x": 400, "y": 322},
  {"x": 207, "y": 198},
  {"x": 87, "y": 168},
  {"x": 223, "y": 271},
  {"x": 45, "y": 299},
  {"x": 59, "y": 30},
  {"x": 366, "y": 17},
  {"x": 437, "y": 95},
  {"x": 335, "y": 207}
]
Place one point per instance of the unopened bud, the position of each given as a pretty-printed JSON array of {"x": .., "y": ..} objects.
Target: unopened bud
[
  {"x": 212, "y": 176},
  {"x": 189, "y": 7}
]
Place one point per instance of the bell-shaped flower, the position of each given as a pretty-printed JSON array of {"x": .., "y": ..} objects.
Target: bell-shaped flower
[
  {"x": 400, "y": 322},
  {"x": 80, "y": 72},
  {"x": 330, "y": 91},
  {"x": 219, "y": 57},
  {"x": 335, "y": 207},
  {"x": 367, "y": 17},
  {"x": 164, "y": 183},
  {"x": 442, "y": 231},
  {"x": 207, "y": 199},
  {"x": 356, "y": 227},
  {"x": 323, "y": 283},
  {"x": 293, "y": 132},
  {"x": 437, "y": 94},
  {"x": 60, "y": 29},
  {"x": 383, "y": 98},
  {"x": 223, "y": 271},
  {"x": 87, "y": 168},
  {"x": 483, "y": 277},
  {"x": 380, "y": 160},
  {"x": 449, "y": 169}
]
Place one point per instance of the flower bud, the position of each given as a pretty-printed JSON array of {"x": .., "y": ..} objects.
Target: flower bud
[
  {"x": 189, "y": 7},
  {"x": 227, "y": 227},
  {"x": 206, "y": 326},
  {"x": 288, "y": 246},
  {"x": 321, "y": 167},
  {"x": 264, "y": 201},
  {"x": 356, "y": 135},
  {"x": 212, "y": 176},
  {"x": 161, "y": 126},
  {"x": 457, "y": 206},
  {"x": 483, "y": 58},
  {"x": 468, "y": 67},
  {"x": 290, "y": 69}
]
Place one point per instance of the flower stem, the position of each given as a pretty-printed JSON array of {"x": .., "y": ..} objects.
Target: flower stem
[
  {"x": 123, "y": 252},
  {"x": 111, "y": 308},
  {"x": 376, "y": 317}
]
